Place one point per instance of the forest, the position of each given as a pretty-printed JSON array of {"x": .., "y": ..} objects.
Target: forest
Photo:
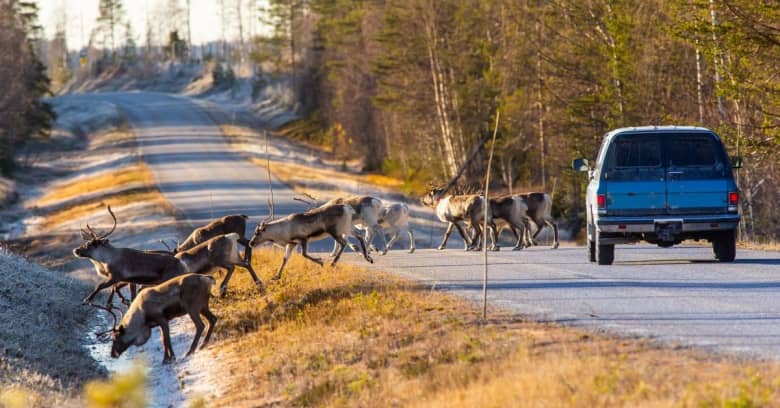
[{"x": 412, "y": 86}]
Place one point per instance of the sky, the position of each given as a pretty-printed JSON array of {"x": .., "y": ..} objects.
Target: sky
[{"x": 81, "y": 15}]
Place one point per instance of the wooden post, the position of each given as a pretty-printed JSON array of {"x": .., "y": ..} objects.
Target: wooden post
[
  {"x": 270, "y": 183},
  {"x": 485, "y": 223}
]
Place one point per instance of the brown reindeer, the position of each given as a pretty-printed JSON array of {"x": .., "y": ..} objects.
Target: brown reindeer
[
  {"x": 333, "y": 221},
  {"x": 124, "y": 265},
  {"x": 218, "y": 252},
  {"x": 156, "y": 306},
  {"x": 539, "y": 211},
  {"x": 457, "y": 209},
  {"x": 510, "y": 212}
]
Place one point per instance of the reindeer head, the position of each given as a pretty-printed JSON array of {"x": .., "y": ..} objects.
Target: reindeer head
[
  {"x": 258, "y": 236},
  {"x": 432, "y": 197},
  {"x": 124, "y": 337},
  {"x": 94, "y": 242}
]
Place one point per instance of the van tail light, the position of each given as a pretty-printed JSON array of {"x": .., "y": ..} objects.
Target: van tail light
[
  {"x": 733, "y": 200},
  {"x": 601, "y": 202}
]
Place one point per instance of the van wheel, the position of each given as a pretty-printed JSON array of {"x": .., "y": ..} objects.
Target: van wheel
[
  {"x": 591, "y": 251},
  {"x": 605, "y": 254},
  {"x": 725, "y": 246}
]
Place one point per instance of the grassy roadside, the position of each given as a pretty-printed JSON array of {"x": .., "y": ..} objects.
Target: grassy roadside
[
  {"x": 304, "y": 177},
  {"x": 349, "y": 337}
]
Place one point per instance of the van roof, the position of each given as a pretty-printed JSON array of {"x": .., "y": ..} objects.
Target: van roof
[{"x": 658, "y": 129}]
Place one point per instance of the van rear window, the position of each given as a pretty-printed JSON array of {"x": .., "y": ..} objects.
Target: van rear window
[
  {"x": 692, "y": 150},
  {"x": 637, "y": 151}
]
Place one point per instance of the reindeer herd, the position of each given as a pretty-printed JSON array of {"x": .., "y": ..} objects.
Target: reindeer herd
[{"x": 177, "y": 281}]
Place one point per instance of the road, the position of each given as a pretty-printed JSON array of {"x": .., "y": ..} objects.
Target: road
[{"x": 674, "y": 295}]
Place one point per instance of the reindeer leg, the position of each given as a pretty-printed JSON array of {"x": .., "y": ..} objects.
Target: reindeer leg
[
  {"x": 518, "y": 236},
  {"x": 378, "y": 230},
  {"x": 223, "y": 285},
  {"x": 100, "y": 286},
  {"x": 118, "y": 290},
  {"x": 170, "y": 356},
  {"x": 466, "y": 239},
  {"x": 287, "y": 252},
  {"x": 476, "y": 242},
  {"x": 447, "y": 236},
  {"x": 555, "y": 232},
  {"x": 411, "y": 240},
  {"x": 494, "y": 236},
  {"x": 133, "y": 291},
  {"x": 251, "y": 270},
  {"x": 305, "y": 253},
  {"x": 199, "y": 326},
  {"x": 341, "y": 242},
  {"x": 391, "y": 242},
  {"x": 335, "y": 249},
  {"x": 364, "y": 249},
  {"x": 247, "y": 250},
  {"x": 212, "y": 321}
]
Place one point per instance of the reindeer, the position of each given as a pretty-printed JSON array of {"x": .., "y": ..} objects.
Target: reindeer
[
  {"x": 218, "y": 252},
  {"x": 228, "y": 224},
  {"x": 156, "y": 306},
  {"x": 123, "y": 265},
  {"x": 539, "y": 211},
  {"x": 454, "y": 209},
  {"x": 330, "y": 220},
  {"x": 510, "y": 212},
  {"x": 394, "y": 219},
  {"x": 366, "y": 218}
]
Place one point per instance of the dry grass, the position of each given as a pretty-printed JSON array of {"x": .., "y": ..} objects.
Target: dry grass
[
  {"x": 138, "y": 174},
  {"x": 81, "y": 210},
  {"x": 303, "y": 177},
  {"x": 349, "y": 337}
]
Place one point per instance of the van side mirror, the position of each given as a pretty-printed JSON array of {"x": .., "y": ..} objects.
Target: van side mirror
[
  {"x": 580, "y": 164},
  {"x": 736, "y": 162}
]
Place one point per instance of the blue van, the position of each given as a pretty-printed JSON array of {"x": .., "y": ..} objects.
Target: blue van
[{"x": 662, "y": 185}]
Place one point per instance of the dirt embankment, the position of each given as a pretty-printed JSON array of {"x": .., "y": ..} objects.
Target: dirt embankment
[{"x": 42, "y": 325}]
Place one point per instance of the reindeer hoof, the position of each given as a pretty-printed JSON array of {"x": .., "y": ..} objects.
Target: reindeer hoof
[
  {"x": 411, "y": 251},
  {"x": 369, "y": 259},
  {"x": 517, "y": 248},
  {"x": 169, "y": 360},
  {"x": 495, "y": 249},
  {"x": 555, "y": 246},
  {"x": 441, "y": 248},
  {"x": 276, "y": 277},
  {"x": 222, "y": 291},
  {"x": 353, "y": 247}
]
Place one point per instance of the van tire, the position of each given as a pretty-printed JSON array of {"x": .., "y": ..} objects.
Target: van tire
[
  {"x": 591, "y": 251},
  {"x": 724, "y": 245},
  {"x": 605, "y": 254}
]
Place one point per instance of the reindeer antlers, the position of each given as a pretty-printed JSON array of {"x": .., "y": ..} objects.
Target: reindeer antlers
[
  {"x": 89, "y": 233},
  {"x": 109, "y": 309},
  {"x": 307, "y": 199}
]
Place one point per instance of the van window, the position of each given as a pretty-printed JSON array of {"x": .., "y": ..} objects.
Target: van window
[
  {"x": 692, "y": 150},
  {"x": 634, "y": 157},
  {"x": 636, "y": 151}
]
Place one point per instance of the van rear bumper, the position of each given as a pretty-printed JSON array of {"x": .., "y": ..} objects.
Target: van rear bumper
[{"x": 690, "y": 223}]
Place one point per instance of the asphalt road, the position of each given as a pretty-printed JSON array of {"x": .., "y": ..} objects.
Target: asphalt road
[{"x": 674, "y": 295}]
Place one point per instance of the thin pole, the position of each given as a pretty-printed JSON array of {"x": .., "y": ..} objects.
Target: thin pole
[
  {"x": 270, "y": 184},
  {"x": 485, "y": 222}
]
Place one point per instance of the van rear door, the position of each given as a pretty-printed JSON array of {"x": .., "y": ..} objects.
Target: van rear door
[
  {"x": 635, "y": 176},
  {"x": 697, "y": 173}
]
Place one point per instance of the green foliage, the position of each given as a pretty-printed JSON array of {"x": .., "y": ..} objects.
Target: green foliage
[{"x": 23, "y": 115}]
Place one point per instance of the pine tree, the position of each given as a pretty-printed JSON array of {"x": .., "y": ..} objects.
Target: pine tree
[{"x": 109, "y": 21}]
